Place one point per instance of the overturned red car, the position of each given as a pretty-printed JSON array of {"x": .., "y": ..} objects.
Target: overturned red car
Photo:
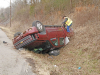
[{"x": 42, "y": 38}]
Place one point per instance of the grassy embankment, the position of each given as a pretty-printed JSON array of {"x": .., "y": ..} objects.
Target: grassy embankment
[{"x": 82, "y": 51}]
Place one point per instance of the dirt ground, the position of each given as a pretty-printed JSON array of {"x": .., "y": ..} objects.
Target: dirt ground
[{"x": 80, "y": 57}]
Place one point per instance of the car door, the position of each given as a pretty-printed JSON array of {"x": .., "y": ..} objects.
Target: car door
[
  {"x": 60, "y": 36},
  {"x": 56, "y": 36},
  {"x": 52, "y": 35}
]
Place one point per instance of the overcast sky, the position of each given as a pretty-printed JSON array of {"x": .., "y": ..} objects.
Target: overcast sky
[{"x": 4, "y": 3}]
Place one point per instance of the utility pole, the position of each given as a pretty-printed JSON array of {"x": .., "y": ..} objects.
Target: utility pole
[
  {"x": 10, "y": 13},
  {"x": 70, "y": 5}
]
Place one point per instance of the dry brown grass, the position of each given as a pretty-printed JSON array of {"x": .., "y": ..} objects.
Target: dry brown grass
[
  {"x": 82, "y": 51},
  {"x": 8, "y": 32}
]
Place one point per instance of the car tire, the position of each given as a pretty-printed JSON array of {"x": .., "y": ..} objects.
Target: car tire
[
  {"x": 16, "y": 34},
  {"x": 38, "y": 25},
  {"x": 54, "y": 52}
]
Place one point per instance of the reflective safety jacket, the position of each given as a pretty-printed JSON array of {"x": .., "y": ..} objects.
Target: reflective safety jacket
[{"x": 69, "y": 21}]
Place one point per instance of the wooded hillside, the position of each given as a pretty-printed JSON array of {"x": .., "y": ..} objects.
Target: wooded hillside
[{"x": 24, "y": 12}]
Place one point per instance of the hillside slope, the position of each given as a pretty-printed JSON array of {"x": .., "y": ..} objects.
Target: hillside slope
[{"x": 82, "y": 51}]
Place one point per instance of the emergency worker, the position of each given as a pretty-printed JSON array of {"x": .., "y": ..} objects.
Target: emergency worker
[{"x": 68, "y": 22}]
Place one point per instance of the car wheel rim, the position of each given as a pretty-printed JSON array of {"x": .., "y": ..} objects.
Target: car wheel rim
[{"x": 39, "y": 26}]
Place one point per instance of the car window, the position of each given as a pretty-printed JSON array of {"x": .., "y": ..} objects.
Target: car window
[
  {"x": 61, "y": 41},
  {"x": 54, "y": 41}
]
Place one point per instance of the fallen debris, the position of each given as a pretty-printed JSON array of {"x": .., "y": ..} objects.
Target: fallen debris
[
  {"x": 79, "y": 67},
  {"x": 20, "y": 49},
  {"x": 4, "y": 42}
]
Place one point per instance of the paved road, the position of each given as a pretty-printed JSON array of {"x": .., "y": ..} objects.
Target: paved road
[{"x": 11, "y": 62}]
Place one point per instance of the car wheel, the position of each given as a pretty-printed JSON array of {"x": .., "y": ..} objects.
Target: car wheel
[
  {"x": 54, "y": 52},
  {"x": 16, "y": 34},
  {"x": 38, "y": 25}
]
